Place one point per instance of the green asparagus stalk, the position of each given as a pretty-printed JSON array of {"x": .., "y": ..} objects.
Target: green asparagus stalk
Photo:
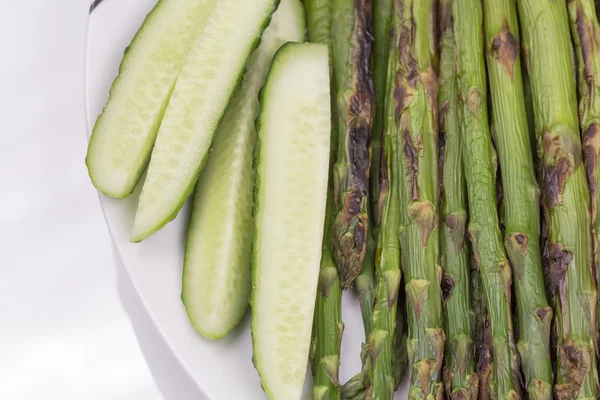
[
  {"x": 352, "y": 44},
  {"x": 521, "y": 194},
  {"x": 382, "y": 21},
  {"x": 384, "y": 358},
  {"x": 365, "y": 280},
  {"x": 355, "y": 388},
  {"x": 328, "y": 326},
  {"x": 377, "y": 377},
  {"x": 460, "y": 379},
  {"x": 399, "y": 350},
  {"x": 319, "y": 24},
  {"x": 480, "y": 317},
  {"x": 478, "y": 307},
  {"x": 529, "y": 111},
  {"x": 416, "y": 91},
  {"x": 585, "y": 31},
  {"x": 480, "y": 321},
  {"x": 382, "y": 16},
  {"x": 499, "y": 377},
  {"x": 318, "y": 20},
  {"x": 365, "y": 285},
  {"x": 565, "y": 194}
]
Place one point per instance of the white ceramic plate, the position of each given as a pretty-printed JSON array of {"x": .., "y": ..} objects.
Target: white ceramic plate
[{"x": 222, "y": 370}]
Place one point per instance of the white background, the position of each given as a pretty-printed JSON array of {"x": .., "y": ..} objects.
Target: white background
[{"x": 66, "y": 310}]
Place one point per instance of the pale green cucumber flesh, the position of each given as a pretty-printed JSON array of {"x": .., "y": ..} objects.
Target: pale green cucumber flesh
[
  {"x": 216, "y": 272},
  {"x": 211, "y": 73},
  {"x": 292, "y": 161},
  {"x": 123, "y": 136}
]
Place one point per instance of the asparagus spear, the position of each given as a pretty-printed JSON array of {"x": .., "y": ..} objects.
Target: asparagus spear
[
  {"x": 384, "y": 356},
  {"x": 399, "y": 350},
  {"x": 585, "y": 31},
  {"x": 355, "y": 388},
  {"x": 352, "y": 238},
  {"x": 565, "y": 194},
  {"x": 318, "y": 21},
  {"x": 382, "y": 20},
  {"x": 529, "y": 110},
  {"x": 500, "y": 376},
  {"x": 415, "y": 97},
  {"x": 480, "y": 322},
  {"x": 365, "y": 284},
  {"x": 521, "y": 194},
  {"x": 478, "y": 308},
  {"x": 377, "y": 375},
  {"x": 352, "y": 43},
  {"x": 460, "y": 379},
  {"x": 328, "y": 326}
]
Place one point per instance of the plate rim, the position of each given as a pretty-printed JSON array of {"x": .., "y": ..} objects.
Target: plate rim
[{"x": 117, "y": 247}]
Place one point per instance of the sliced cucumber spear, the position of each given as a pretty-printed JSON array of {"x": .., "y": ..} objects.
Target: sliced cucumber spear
[
  {"x": 292, "y": 161},
  {"x": 122, "y": 139},
  {"x": 216, "y": 270},
  {"x": 211, "y": 73}
]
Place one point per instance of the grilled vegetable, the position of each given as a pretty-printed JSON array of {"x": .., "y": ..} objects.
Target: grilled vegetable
[
  {"x": 415, "y": 100},
  {"x": 377, "y": 377},
  {"x": 499, "y": 378},
  {"x": 460, "y": 379},
  {"x": 585, "y": 30},
  {"x": 352, "y": 45},
  {"x": 382, "y": 24},
  {"x": 520, "y": 194},
  {"x": 365, "y": 285},
  {"x": 327, "y": 326},
  {"x": 565, "y": 195}
]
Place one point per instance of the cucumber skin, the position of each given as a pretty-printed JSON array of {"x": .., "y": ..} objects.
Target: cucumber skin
[
  {"x": 130, "y": 190},
  {"x": 243, "y": 224},
  {"x": 155, "y": 127},
  {"x": 286, "y": 47},
  {"x": 138, "y": 238}
]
